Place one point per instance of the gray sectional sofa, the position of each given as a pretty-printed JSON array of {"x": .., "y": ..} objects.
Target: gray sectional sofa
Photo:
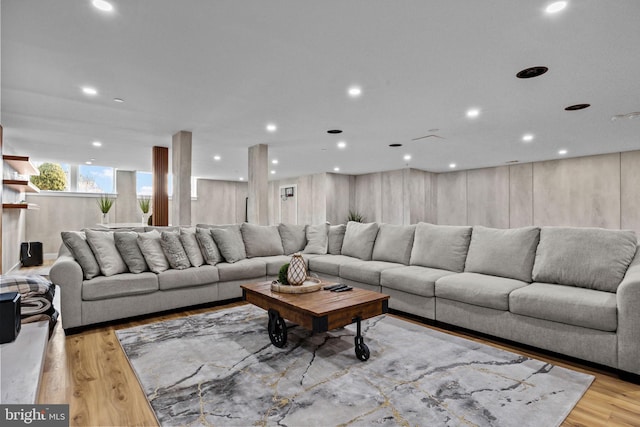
[{"x": 574, "y": 291}]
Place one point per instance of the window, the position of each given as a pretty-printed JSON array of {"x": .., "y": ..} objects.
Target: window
[
  {"x": 144, "y": 184},
  {"x": 50, "y": 179},
  {"x": 95, "y": 179}
]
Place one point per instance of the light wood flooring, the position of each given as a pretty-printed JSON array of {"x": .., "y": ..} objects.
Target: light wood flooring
[{"x": 90, "y": 372}]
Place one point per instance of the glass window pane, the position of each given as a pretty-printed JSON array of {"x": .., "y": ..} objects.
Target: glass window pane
[
  {"x": 144, "y": 184},
  {"x": 95, "y": 179}
]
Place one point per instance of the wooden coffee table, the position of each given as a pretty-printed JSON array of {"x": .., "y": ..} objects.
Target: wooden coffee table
[{"x": 319, "y": 311}]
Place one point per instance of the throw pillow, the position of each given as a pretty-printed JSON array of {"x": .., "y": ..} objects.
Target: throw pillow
[
  {"x": 317, "y": 239},
  {"x": 173, "y": 250},
  {"x": 293, "y": 236},
  {"x": 76, "y": 242},
  {"x": 103, "y": 245},
  {"x": 151, "y": 248},
  {"x": 336, "y": 237},
  {"x": 191, "y": 246},
  {"x": 127, "y": 244},
  {"x": 210, "y": 250},
  {"x": 229, "y": 241},
  {"x": 359, "y": 239},
  {"x": 441, "y": 246},
  {"x": 394, "y": 243},
  {"x": 506, "y": 253},
  {"x": 261, "y": 240},
  {"x": 593, "y": 258}
]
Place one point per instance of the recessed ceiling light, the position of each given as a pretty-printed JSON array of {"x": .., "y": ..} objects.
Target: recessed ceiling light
[
  {"x": 556, "y": 7},
  {"x": 527, "y": 137},
  {"x": 531, "y": 72},
  {"x": 88, "y": 163},
  {"x": 395, "y": 145},
  {"x": 562, "y": 152},
  {"x": 120, "y": 100},
  {"x": 336, "y": 169},
  {"x": 355, "y": 91},
  {"x": 341, "y": 144},
  {"x": 334, "y": 131},
  {"x": 87, "y": 90},
  {"x": 407, "y": 157},
  {"x": 96, "y": 144},
  {"x": 103, "y": 5},
  {"x": 452, "y": 165},
  {"x": 274, "y": 161},
  {"x": 241, "y": 178},
  {"x": 272, "y": 127},
  {"x": 216, "y": 157},
  {"x": 473, "y": 113},
  {"x": 273, "y": 172},
  {"x": 577, "y": 107}
]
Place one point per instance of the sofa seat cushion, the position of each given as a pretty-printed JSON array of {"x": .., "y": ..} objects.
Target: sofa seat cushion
[
  {"x": 413, "y": 279},
  {"x": 329, "y": 264},
  {"x": 366, "y": 271},
  {"x": 188, "y": 277},
  {"x": 248, "y": 268},
  {"x": 478, "y": 289},
  {"x": 120, "y": 285},
  {"x": 588, "y": 308},
  {"x": 275, "y": 262}
]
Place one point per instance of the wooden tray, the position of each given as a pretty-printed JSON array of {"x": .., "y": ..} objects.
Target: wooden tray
[{"x": 310, "y": 285}]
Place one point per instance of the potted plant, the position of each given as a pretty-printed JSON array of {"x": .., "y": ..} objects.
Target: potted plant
[
  {"x": 145, "y": 203},
  {"x": 105, "y": 203},
  {"x": 355, "y": 217}
]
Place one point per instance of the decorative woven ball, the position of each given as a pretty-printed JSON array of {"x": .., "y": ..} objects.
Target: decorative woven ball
[{"x": 297, "y": 273}]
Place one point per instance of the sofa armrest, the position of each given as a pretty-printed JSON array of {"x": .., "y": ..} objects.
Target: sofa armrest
[
  {"x": 67, "y": 274},
  {"x": 628, "y": 299}
]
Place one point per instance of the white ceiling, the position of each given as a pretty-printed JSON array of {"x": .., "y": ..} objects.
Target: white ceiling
[{"x": 224, "y": 69}]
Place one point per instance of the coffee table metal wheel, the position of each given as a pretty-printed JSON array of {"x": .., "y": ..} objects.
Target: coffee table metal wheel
[
  {"x": 362, "y": 351},
  {"x": 277, "y": 329}
]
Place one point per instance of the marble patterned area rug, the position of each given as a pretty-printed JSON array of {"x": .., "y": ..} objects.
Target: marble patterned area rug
[{"x": 220, "y": 369}]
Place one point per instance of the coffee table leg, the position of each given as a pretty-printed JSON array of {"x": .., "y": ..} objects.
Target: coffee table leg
[
  {"x": 362, "y": 351},
  {"x": 277, "y": 329}
]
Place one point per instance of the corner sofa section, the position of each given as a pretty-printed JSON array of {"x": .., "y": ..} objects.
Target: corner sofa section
[{"x": 574, "y": 291}]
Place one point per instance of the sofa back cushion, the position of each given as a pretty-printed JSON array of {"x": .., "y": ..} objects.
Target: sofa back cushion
[
  {"x": 336, "y": 237},
  {"x": 173, "y": 250},
  {"x": 191, "y": 246},
  {"x": 230, "y": 243},
  {"x": 394, "y": 243},
  {"x": 359, "y": 240},
  {"x": 103, "y": 245},
  {"x": 149, "y": 243},
  {"x": 76, "y": 242},
  {"x": 127, "y": 244},
  {"x": 441, "y": 246},
  {"x": 317, "y": 239},
  {"x": 592, "y": 258},
  {"x": 293, "y": 236},
  {"x": 503, "y": 252},
  {"x": 210, "y": 251},
  {"x": 261, "y": 240}
]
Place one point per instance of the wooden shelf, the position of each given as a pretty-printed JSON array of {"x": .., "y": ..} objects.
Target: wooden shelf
[
  {"x": 20, "y": 185},
  {"x": 30, "y": 206},
  {"x": 21, "y": 164}
]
